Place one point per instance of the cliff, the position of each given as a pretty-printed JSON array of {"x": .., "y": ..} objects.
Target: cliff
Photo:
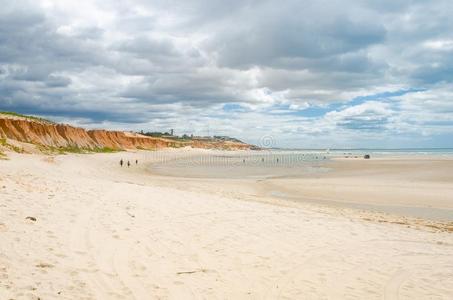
[{"x": 47, "y": 134}]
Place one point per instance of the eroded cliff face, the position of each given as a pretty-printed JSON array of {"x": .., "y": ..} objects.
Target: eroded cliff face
[{"x": 61, "y": 136}]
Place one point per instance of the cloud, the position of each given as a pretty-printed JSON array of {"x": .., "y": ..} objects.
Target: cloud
[
  {"x": 278, "y": 39},
  {"x": 368, "y": 116},
  {"x": 246, "y": 68}
]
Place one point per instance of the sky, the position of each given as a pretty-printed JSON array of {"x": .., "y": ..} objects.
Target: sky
[{"x": 289, "y": 73}]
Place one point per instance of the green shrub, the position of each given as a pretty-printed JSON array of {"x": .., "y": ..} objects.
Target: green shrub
[
  {"x": 16, "y": 149},
  {"x": 71, "y": 149},
  {"x": 104, "y": 150},
  {"x": 10, "y": 113},
  {"x": 74, "y": 149},
  {"x": 4, "y": 143}
]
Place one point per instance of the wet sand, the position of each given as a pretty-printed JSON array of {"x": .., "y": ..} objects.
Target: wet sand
[
  {"x": 416, "y": 186},
  {"x": 410, "y": 186}
]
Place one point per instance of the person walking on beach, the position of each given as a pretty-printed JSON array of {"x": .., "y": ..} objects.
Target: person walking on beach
[
  {"x": 128, "y": 164},
  {"x": 121, "y": 162},
  {"x": 136, "y": 161}
]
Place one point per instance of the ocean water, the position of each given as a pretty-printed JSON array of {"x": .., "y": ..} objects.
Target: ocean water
[
  {"x": 269, "y": 163},
  {"x": 274, "y": 159},
  {"x": 243, "y": 164},
  {"x": 394, "y": 152}
]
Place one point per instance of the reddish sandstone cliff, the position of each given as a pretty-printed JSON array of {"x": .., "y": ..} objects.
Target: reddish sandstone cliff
[{"x": 59, "y": 135}]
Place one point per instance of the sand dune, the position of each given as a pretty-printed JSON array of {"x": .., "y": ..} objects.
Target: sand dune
[{"x": 105, "y": 232}]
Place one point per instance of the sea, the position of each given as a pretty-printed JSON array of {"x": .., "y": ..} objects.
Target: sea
[{"x": 271, "y": 162}]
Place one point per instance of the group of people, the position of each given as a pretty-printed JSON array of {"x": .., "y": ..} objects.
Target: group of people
[{"x": 128, "y": 163}]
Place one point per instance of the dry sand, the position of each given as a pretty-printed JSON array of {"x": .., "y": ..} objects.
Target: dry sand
[{"x": 81, "y": 227}]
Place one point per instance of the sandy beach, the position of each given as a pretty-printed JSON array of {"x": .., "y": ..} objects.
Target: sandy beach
[{"x": 81, "y": 227}]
